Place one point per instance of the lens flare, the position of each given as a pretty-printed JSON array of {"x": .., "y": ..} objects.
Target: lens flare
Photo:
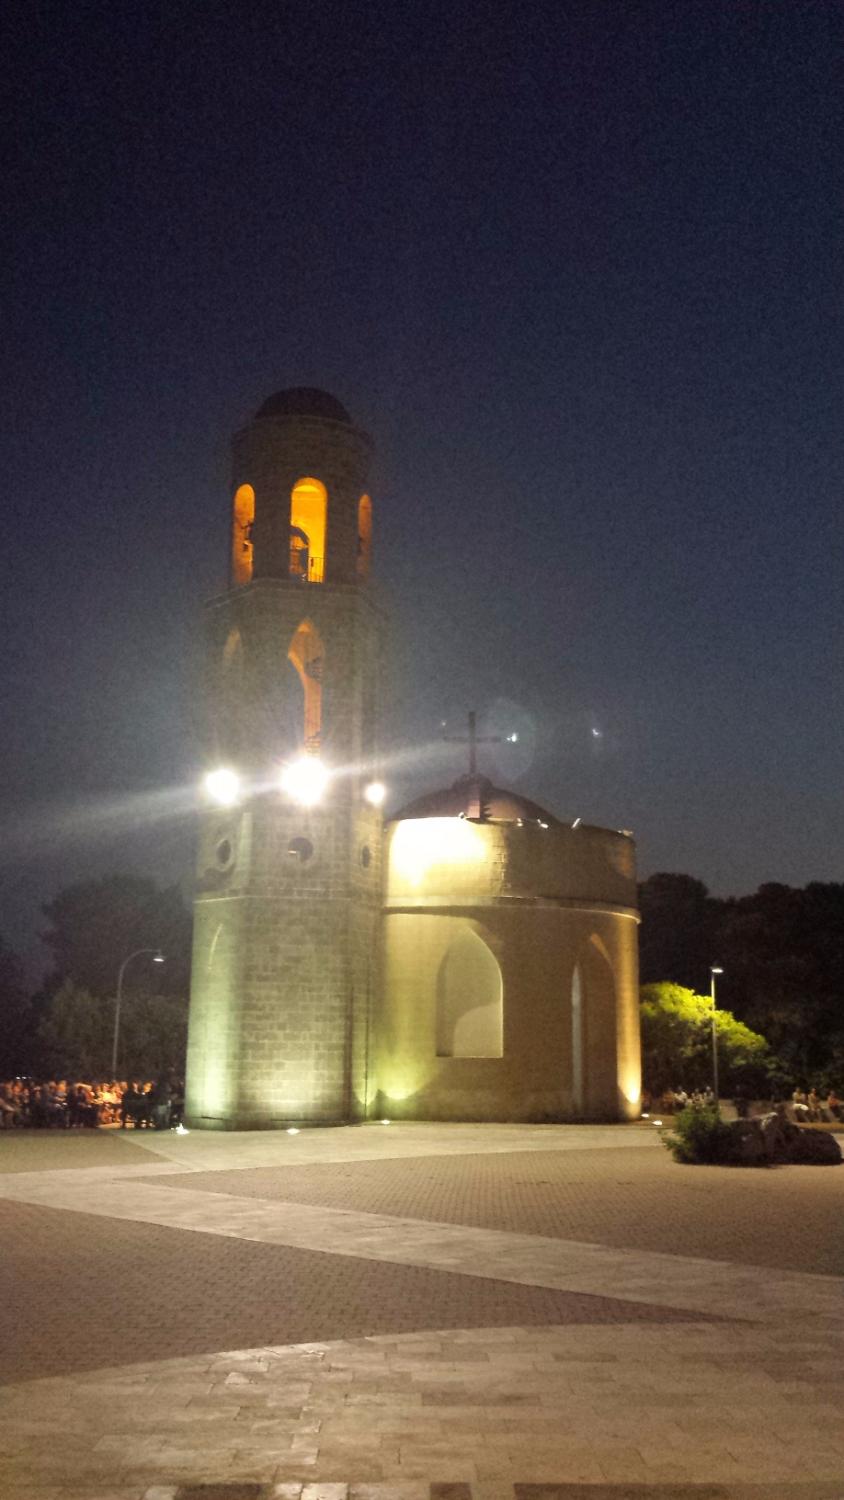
[
  {"x": 222, "y": 786},
  {"x": 305, "y": 780}
]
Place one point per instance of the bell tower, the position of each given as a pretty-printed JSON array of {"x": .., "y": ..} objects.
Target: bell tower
[{"x": 289, "y": 862}]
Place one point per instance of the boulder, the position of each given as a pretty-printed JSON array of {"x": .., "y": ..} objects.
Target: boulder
[
  {"x": 785, "y": 1142},
  {"x": 816, "y": 1148},
  {"x": 745, "y": 1144}
]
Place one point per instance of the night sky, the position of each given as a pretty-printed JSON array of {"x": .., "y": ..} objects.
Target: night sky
[{"x": 575, "y": 266}]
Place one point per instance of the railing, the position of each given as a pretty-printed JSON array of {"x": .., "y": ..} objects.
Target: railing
[{"x": 304, "y": 567}]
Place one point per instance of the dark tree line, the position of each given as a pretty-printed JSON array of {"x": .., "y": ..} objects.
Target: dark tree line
[
  {"x": 782, "y": 952},
  {"x": 66, "y": 1026}
]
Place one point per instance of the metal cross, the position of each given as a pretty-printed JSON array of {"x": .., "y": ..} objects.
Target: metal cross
[{"x": 473, "y": 741}]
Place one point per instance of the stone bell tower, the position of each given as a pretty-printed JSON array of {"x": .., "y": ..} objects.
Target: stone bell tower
[{"x": 289, "y": 862}]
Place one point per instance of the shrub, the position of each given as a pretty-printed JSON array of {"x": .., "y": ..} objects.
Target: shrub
[{"x": 699, "y": 1136}]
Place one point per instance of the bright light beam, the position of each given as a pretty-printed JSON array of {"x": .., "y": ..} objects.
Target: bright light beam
[
  {"x": 223, "y": 786},
  {"x": 305, "y": 780}
]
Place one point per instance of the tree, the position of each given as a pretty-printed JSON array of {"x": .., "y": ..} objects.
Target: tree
[
  {"x": 95, "y": 924},
  {"x": 783, "y": 953},
  {"x": 677, "y": 1043},
  {"x": 77, "y": 1031},
  {"x": 75, "y": 1034},
  {"x": 16, "y": 1016},
  {"x": 679, "y": 932}
]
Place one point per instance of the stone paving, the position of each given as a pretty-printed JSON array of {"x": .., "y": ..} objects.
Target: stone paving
[{"x": 381, "y": 1314}]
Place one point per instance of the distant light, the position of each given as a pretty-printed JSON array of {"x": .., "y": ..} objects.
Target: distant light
[
  {"x": 597, "y": 734},
  {"x": 292, "y": 1130},
  {"x": 384, "y": 1122},
  {"x": 541, "y": 824},
  {"x": 645, "y": 1115},
  {"x": 182, "y": 1129},
  {"x": 305, "y": 780},
  {"x": 512, "y": 739},
  {"x": 158, "y": 958},
  {"x": 222, "y": 786},
  {"x": 657, "y": 1122},
  {"x": 375, "y": 793},
  {"x": 577, "y": 822},
  {"x": 716, "y": 970}
]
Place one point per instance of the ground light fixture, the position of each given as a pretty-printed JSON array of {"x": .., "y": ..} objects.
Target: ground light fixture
[
  {"x": 375, "y": 793},
  {"x": 305, "y": 780},
  {"x": 222, "y": 786}
]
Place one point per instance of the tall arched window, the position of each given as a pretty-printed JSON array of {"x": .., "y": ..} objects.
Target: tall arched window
[
  {"x": 364, "y": 536},
  {"x": 308, "y": 507},
  {"x": 243, "y": 514},
  {"x": 470, "y": 1018},
  {"x": 306, "y": 654},
  {"x": 593, "y": 997}
]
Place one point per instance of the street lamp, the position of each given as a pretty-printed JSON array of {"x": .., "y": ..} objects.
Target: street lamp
[
  {"x": 158, "y": 958},
  {"x": 715, "y": 969}
]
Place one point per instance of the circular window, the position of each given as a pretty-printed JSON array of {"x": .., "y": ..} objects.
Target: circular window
[
  {"x": 224, "y": 853},
  {"x": 366, "y": 856},
  {"x": 300, "y": 849}
]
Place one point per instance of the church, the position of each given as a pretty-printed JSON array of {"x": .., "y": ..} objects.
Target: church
[{"x": 473, "y": 958}]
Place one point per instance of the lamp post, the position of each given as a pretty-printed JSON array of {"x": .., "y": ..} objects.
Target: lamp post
[
  {"x": 158, "y": 958},
  {"x": 715, "y": 969}
]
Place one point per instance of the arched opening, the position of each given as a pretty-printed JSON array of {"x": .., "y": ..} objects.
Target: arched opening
[
  {"x": 308, "y": 510},
  {"x": 306, "y": 654},
  {"x": 364, "y": 536},
  {"x": 243, "y": 514},
  {"x": 470, "y": 1000}
]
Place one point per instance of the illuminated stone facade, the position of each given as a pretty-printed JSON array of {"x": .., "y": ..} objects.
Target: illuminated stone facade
[
  {"x": 485, "y": 968},
  {"x": 510, "y": 965},
  {"x": 288, "y": 898}
]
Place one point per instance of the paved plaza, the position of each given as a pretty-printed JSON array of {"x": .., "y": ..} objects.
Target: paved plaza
[{"x": 404, "y": 1311}]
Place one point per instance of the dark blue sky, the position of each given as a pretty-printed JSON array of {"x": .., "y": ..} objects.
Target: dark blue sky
[{"x": 576, "y": 267}]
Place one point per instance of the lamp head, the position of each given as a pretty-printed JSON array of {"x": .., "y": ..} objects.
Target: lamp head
[
  {"x": 222, "y": 786},
  {"x": 305, "y": 780}
]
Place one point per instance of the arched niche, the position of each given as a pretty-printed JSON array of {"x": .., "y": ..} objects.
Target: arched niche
[
  {"x": 470, "y": 1000},
  {"x": 364, "y": 536},
  {"x": 308, "y": 513},
  {"x": 306, "y": 654},
  {"x": 243, "y": 514},
  {"x": 594, "y": 1029}
]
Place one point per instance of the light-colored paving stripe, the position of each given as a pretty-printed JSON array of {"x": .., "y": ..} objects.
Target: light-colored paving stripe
[
  {"x": 692, "y": 1405},
  {"x": 707, "y": 1286}
]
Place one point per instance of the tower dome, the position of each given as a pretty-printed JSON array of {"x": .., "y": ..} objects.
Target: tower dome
[
  {"x": 476, "y": 798},
  {"x": 304, "y": 401}
]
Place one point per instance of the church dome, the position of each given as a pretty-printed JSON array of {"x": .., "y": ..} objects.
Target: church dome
[
  {"x": 476, "y": 798},
  {"x": 304, "y": 401}
]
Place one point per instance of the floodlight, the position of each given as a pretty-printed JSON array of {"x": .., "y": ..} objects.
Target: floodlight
[
  {"x": 222, "y": 786},
  {"x": 305, "y": 780}
]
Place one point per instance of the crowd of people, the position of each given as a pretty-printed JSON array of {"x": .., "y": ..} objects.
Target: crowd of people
[
  {"x": 812, "y": 1107},
  {"x": 64, "y": 1105},
  {"x": 804, "y": 1107}
]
